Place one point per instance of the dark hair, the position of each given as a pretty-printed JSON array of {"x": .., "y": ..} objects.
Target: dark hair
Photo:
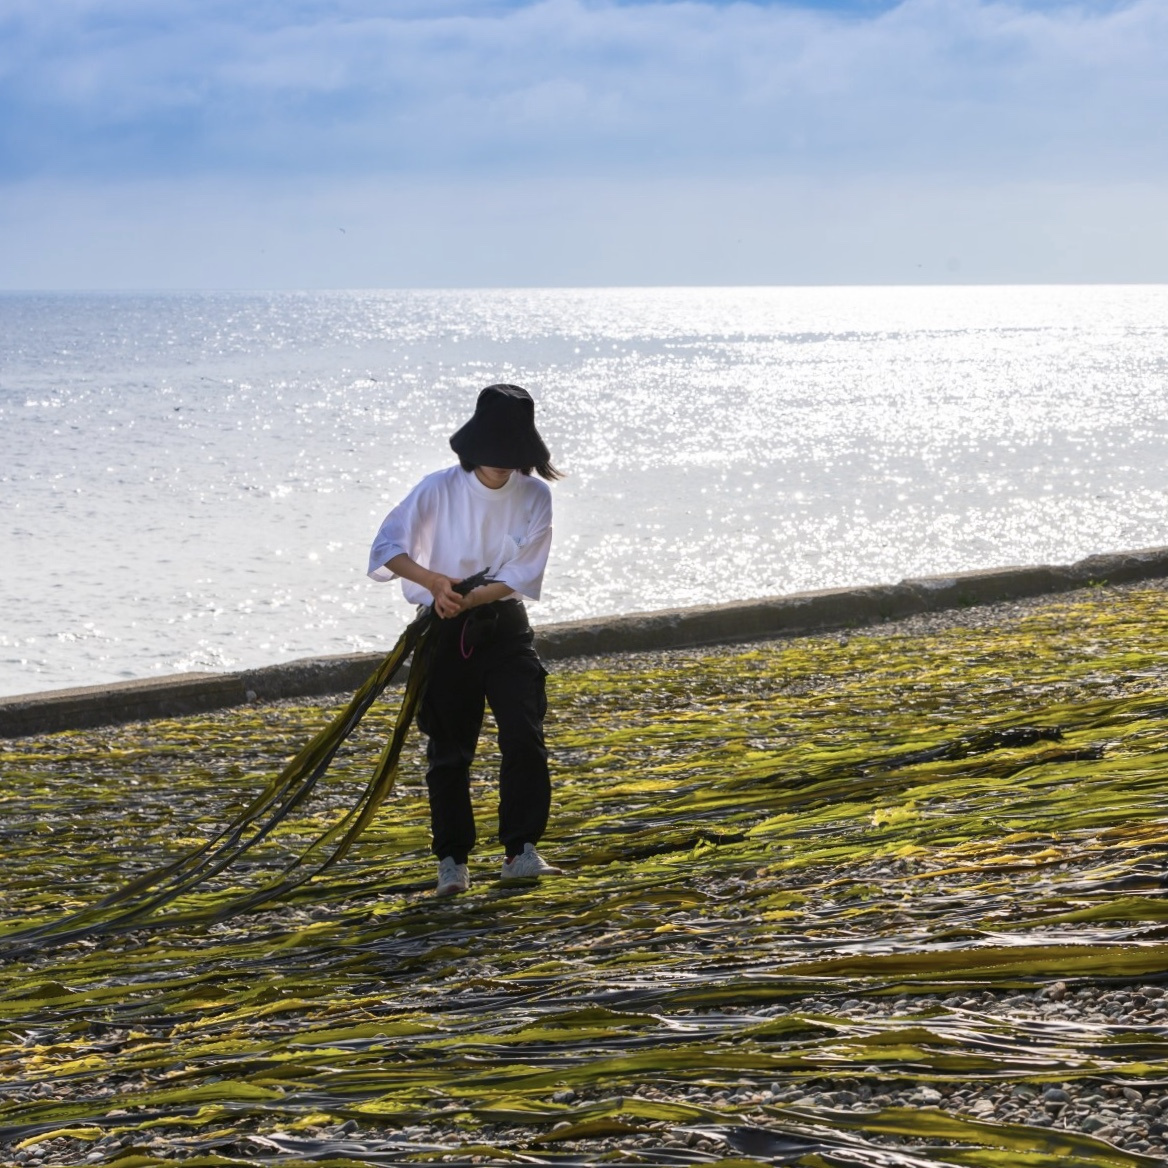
[{"x": 545, "y": 470}]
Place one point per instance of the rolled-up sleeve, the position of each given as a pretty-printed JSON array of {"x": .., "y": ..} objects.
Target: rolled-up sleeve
[
  {"x": 397, "y": 534},
  {"x": 524, "y": 570}
]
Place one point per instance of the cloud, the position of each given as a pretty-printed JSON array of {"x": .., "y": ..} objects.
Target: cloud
[
  {"x": 208, "y": 143},
  {"x": 360, "y": 88}
]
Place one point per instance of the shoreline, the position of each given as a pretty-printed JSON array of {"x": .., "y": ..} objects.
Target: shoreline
[{"x": 768, "y": 618}]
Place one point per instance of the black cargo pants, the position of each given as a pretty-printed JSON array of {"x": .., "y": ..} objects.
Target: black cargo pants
[{"x": 487, "y": 655}]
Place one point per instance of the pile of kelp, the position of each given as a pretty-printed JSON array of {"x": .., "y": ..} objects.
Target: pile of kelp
[{"x": 887, "y": 900}]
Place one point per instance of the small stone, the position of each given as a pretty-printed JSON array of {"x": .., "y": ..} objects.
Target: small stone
[
  {"x": 1055, "y": 1095},
  {"x": 565, "y": 1096},
  {"x": 929, "y": 1095},
  {"x": 348, "y": 1126},
  {"x": 1152, "y": 991},
  {"x": 1132, "y": 1095}
]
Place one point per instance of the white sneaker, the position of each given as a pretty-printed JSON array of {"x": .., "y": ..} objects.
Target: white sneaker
[
  {"x": 452, "y": 878},
  {"x": 528, "y": 865}
]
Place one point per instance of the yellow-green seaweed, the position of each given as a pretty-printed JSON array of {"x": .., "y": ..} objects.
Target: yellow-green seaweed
[{"x": 831, "y": 865}]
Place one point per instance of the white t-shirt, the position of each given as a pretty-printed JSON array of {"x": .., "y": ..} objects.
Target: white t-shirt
[{"x": 451, "y": 523}]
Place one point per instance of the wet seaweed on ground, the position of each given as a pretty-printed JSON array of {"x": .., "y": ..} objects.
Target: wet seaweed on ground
[{"x": 894, "y": 901}]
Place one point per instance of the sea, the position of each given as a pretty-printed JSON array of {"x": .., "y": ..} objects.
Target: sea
[{"x": 190, "y": 481}]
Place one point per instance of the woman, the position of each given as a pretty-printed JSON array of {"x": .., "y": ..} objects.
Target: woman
[{"x": 486, "y": 514}]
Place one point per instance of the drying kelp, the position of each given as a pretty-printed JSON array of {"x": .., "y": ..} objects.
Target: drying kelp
[
  {"x": 137, "y": 903},
  {"x": 877, "y": 900}
]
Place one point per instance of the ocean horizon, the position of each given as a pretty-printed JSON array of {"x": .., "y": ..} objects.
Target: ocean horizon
[{"x": 191, "y": 480}]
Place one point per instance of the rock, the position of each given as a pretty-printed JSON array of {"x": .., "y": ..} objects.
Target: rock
[
  {"x": 928, "y": 1095},
  {"x": 1055, "y": 1095},
  {"x": 565, "y": 1096},
  {"x": 1132, "y": 1095}
]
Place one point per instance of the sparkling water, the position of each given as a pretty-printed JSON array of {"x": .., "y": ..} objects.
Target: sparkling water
[{"x": 191, "y": 481}]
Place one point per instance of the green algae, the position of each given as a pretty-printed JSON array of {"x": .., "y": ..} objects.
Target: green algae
[{"x": 755, "y": 838}]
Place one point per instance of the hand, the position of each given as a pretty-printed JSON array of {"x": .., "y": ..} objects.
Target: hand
[
  {"x": 486, "y": 594},
  {"x": 447, "y": 602}
]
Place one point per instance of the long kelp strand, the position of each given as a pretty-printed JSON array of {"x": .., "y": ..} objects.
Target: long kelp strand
[
  {"x": 340, "y": 836},
  {"x": 154, "y": 890},
  {"x": 135, "y": 904}
]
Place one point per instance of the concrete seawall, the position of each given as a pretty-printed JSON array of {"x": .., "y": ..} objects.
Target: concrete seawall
[{"x": 779, "y": 616}]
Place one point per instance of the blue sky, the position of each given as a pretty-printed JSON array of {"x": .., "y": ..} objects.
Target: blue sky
[{"x": 305, "y": 143}]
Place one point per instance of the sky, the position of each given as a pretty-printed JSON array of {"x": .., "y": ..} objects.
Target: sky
[{"x": 444, "y": 143}]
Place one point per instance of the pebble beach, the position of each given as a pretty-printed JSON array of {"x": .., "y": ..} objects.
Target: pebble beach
[{"x": 890, "y": 897}]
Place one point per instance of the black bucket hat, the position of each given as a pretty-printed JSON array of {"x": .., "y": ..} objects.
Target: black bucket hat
[{"x": 502, "y": 432}]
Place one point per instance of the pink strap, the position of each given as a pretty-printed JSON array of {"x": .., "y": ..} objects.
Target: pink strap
[{"x": 466, "y": 653}]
